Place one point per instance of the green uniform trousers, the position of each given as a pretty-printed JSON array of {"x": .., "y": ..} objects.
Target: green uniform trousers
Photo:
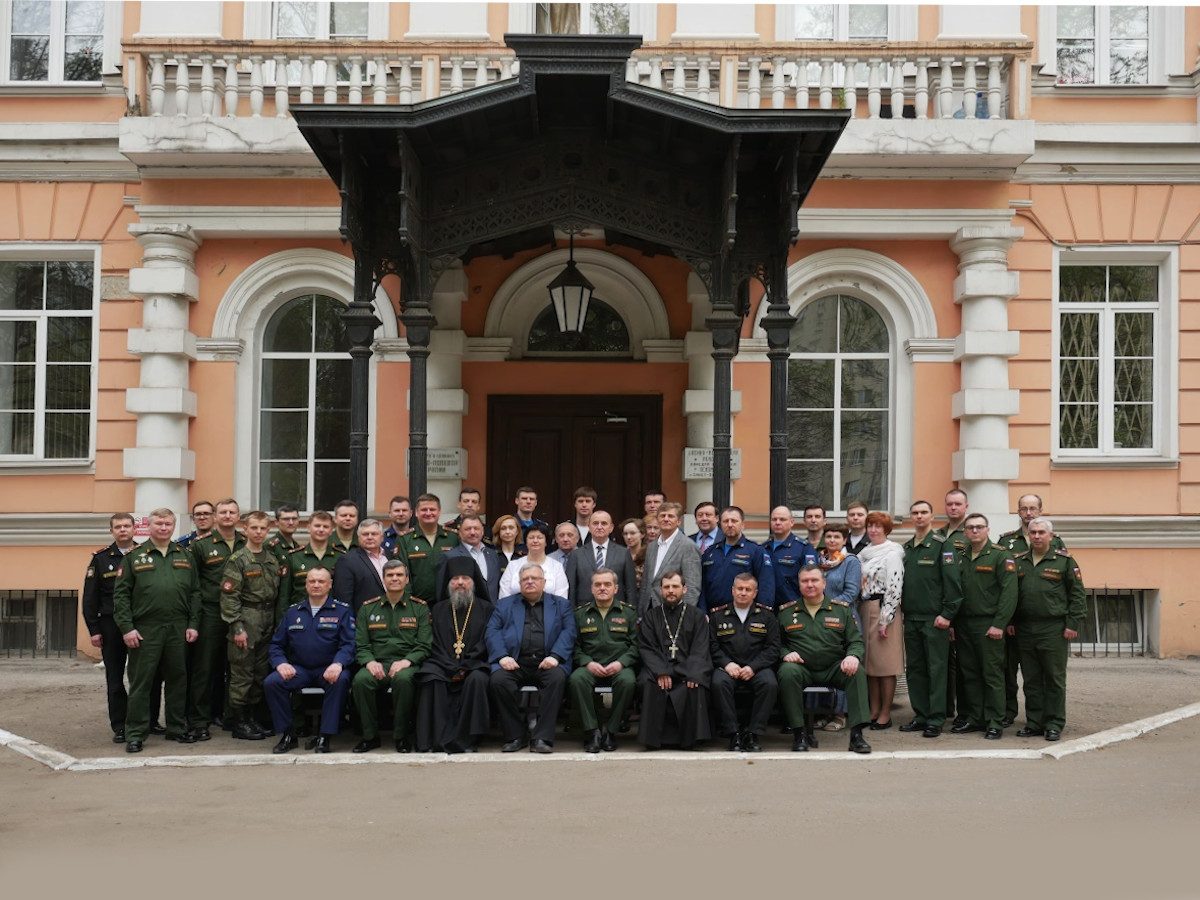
[
  {"x": 1012, "y": 662},
  {"x": 581, "y": 689},
  {"x": 161, "y": 646},
  {"x": 248, "y": 668},
  {"x": 794, "y": 678},
  {"x": 404, "y": 698},
  {"x": 927, "y": 659},
  {"x": 1044, "y": 666},
  {"x": 981, "y": 660},
  {"x": 208, "y": 664}
]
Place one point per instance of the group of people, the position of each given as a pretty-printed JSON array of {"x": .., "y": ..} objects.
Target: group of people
[{"x": 457, "y": 628}]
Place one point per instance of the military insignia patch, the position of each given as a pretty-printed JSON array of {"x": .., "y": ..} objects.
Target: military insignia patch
[
  {"x": 227, "y": 585},
  {"x": 1010, "y": 565}
]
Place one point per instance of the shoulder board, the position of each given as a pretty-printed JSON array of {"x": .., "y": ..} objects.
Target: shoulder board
[
  {"x": 418, "y": 600},
  {"x": 724, "y": 607},
  {"x": 340, "y": 603},
  {"x": 1062, "y": 551},
  {"x": 1010, "y": 534},
  {"x": 101, "y": 550},
  {"x": 939, "y": 533},
  {"x": 1022, "y": 555},
  {"x": 369, "y": 602},
  {"x": 788, "y": 604},
  {"x": 845, "y": 604},
  {"x": 761, "y": 608}
]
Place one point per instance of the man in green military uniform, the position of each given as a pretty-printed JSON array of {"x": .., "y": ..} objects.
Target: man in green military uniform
[
  {"x": 1050, "y": 608},
  {"x": 1016, "y": 542},
  {"x": 249, "y": 589},
  {"x": 207, "y": 675},
  {"x": 421, "y": 548},
  {"x": 393, "y": 637},
  {"x": 989, "y": 585},
  {"x": 821, "y": 645},
  {"x": 954, "y": 537},
  {"x": 606, "y": 653},
  {"x": 319, "y": 553},
  {"x": 154, "y": 608},
  {"x": 283, "y": 541},
  {"x": 931, "y": 598}
]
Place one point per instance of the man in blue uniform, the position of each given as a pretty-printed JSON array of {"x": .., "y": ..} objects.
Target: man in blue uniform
[
  {"x": 731, "y": 555},
  {"x": 313, "y": 646},
  {"x": 789, "y": 554}
]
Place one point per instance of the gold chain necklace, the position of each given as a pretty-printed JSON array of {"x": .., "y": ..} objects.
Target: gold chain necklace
[
  {"x": 674, "y": 648},
  {"x": 459, "y": 635}
]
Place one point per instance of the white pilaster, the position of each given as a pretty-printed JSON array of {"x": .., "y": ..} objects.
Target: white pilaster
[
  {"x": 161, "y": 463},
  {"x": 447, "y": 402},
  {"x": 984, "y": 464}
]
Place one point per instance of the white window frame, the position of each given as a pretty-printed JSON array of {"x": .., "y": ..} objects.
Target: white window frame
[
  {"x": 1164, "y": 446},
  {"x": 110, "y": 44},
  {"x": 258, "y": 20},
  {"x": 902, "y": 22},
  {"x": 643, "y": 18},
  {"x": 32, "y": 252},
  {"x": 1166, "y": 28}
]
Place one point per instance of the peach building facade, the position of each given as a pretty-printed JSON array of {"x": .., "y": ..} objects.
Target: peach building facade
[{"x": 997, "y": 278}]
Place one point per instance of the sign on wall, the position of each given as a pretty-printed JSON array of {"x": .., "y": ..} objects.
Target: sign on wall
[{"x": 698, "y": 463}]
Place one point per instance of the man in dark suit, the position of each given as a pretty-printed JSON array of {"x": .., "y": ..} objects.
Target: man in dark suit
[
  {"x": 359, "y": 573},
  {"x": 530, "y": 640},
  {"x": 486, "y": 576},
  {"x": 601, "y": 552}
]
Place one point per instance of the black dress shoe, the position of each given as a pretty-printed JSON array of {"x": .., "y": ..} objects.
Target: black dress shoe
[
  {"x": 857, "y": 743},
  {"x": 881, "y": 726},
  {"x": 993, "y": 734},
  {"x": 322, "y": 744},
  {"x": 608, "y": 743},
  {"x": 914, "y": 725},
  {"x": 540, "y": 746},
  {"x": 1007, "y": 721},
  {"x": 155, "y": 728},
  {"x": 750, "y": 743},
  {"x": 133, "y": 747},
  {"x": 184, "y": 738},
  {"x": 1053, "y": 734},
  {"x": 735, "y": 742},
  {"x": 594, "y": 742},
  {"x": 958, "y": 721},
  {"x": 514, "y": 745},
  {"x": 247, "y": 731},
  {"x": 965, "y": 728},
  {"x": 119, "y": 736},
  {"x": 367, "y": 744},
  {"x": 1029, "y": 732},
  {"x": 286, "y": 743},
  {"x": 202, "y": 734},
  {"x": 403, "y": 745},
  {"x": 799, "y": 740},
  {"x": 932, "y": 731}
]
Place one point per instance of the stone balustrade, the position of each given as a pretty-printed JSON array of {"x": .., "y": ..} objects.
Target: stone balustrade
[{"x": 986, "y": 80}]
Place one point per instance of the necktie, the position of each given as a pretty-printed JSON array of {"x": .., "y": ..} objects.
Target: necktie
[{"x": 599, "y": 556}]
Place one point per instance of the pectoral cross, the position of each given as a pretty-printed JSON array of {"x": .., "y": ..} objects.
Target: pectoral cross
[
  {"x": 674, "y": 649},
  {"x": 458, "y": 648}
]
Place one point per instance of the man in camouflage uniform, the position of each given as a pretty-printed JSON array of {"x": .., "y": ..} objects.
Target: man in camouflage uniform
[
  {"x": 155, "y": 611},
  {"x": 206, "y": 673},
  {"x": 249, "y": 588},
  {"x": 1050, "y": 607},
  {"x": 283, "y": 541}
]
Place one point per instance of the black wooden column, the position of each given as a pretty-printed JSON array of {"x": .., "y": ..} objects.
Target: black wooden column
[
  {"x": 360, "y": 321},
  {"x": 724, "y": 323},
  {"x": 777, "y": 323},
  {"x": 418, "y": 321}
]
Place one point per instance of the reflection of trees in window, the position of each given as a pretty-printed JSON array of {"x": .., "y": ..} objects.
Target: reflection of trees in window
[
  {"x": 304, "y": 444},
  {"x": 604, "y": 333},
  {"x": 56, "y": 41},
  {"x": 581, "y": 18},
  {"x": 1103, "y": 44},
  {"x": 838, "y": 405}
]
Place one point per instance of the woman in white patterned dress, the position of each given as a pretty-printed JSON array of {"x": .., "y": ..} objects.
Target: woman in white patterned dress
[{"x": 883, "y": 623}]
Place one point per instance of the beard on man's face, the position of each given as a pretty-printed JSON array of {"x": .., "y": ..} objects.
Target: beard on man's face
[{"x": 461, "y": 599}]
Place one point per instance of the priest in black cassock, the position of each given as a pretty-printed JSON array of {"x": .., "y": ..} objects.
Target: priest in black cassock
[
  {"x": 676, "y": 670},
  {"x": 452, "y": 711}
]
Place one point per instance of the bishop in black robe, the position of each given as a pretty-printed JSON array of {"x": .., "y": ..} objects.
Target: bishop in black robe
[
  {"x": 678, "y": 714},
  {"x": 453, "y": 714}
]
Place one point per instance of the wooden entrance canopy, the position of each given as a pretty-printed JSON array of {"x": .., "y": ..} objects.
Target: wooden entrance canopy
[{"x": 567, "y": 145}]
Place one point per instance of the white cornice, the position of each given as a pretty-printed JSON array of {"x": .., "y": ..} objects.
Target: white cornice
[
  {"x": 54, "y": 530},
  {"x": 247, "y": 221},
  {"x": 63, "y": 151},
  {"x": 1154, "y": 532},
  {"x": 219, "y": 349},
  {"x": 894, "y": 224},
  {"x": 930, "y": 349}
]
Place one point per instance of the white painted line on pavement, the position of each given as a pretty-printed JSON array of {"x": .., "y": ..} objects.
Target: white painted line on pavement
[
  {"x": 59, "y": 761},
  {"x": 47, "y": 756},
  {"x": 1125, "y": 732}
]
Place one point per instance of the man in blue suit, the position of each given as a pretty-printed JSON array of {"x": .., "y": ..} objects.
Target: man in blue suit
[
  {"x": 530, "y": 640},
  {"x": 486, "y": 560}
]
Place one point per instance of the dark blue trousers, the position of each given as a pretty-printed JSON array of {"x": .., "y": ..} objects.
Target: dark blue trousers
[{"x": 279, "y": 697}]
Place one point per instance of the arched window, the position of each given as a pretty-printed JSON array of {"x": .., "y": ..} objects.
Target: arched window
[
  {"x": 604, "y": 334},
  {"x": 839, "y": 402},
  {"x": 304, "y": 405}
]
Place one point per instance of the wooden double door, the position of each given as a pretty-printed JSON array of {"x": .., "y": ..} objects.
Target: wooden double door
[{"x": 557, "y": 443}]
